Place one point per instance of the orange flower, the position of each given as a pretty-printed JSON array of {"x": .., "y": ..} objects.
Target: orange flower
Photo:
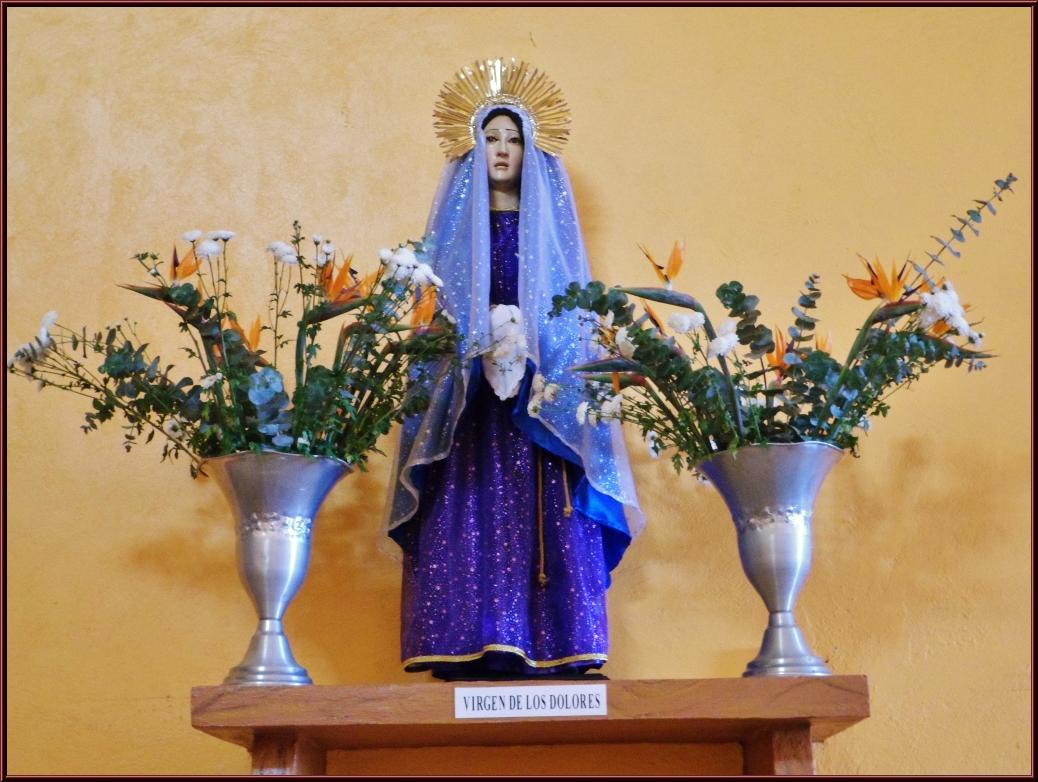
[
  {"x": 674, "y": 263},
  {"x": 879, "y": 285},
  {"x": 425, "y": 309},
  {"x": 185, "y": 268},
  {"x": 930, "y": 288},
  {"x": 676, "y": 260},
  {"x": 328, "y": 272},
  {"x": 335, "y": 284},
  {"x": 250, "y": 340},
  {"x": 654, "y": 317},
  {"x": 941, "y": 327},
  {"x": 777, "y": 359},
  {"x": 367, "y": 285},
  {"x": 825, "y": 344}
]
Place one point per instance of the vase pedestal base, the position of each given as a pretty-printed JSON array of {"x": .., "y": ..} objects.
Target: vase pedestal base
[
  {"x": 269, "y": 660},
  {"x": 784, "y": 651}
]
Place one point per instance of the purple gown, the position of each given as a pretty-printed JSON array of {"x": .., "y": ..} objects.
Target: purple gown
[{"x": 472, "y": 599}]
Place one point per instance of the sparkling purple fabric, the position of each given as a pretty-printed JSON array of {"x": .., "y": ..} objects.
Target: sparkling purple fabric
[{"x": 472, "y": 601}]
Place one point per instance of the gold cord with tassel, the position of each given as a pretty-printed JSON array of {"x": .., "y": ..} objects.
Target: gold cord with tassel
[
  {"x": 542, "y": 577},
  {"x": 568, "y": 509}
]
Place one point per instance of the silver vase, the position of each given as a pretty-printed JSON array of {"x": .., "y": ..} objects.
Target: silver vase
[
  {"x": 274, "y": 497},
  {"x": 771, "y": 491}
]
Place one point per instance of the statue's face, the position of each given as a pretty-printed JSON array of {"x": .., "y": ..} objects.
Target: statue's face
[{"x": 504, "y": 152}]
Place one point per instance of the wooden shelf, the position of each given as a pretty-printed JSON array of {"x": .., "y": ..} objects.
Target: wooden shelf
[{"x": 289, "y": 729}]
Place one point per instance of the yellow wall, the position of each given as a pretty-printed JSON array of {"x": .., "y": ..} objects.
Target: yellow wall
[{"x": 778, "y": 142}]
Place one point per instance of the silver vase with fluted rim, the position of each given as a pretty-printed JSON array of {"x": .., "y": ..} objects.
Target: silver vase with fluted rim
[
  {"x": 770, "y": 491},
  {"x": 275, "y": 498}
]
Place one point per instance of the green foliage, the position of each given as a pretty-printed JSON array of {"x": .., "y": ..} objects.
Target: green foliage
[
  {"x": 744, "y": 309},
  {"x": 693, "y": 396},
  {"x": 802, "y": 330},
  {"x": 380, "y": 372}
]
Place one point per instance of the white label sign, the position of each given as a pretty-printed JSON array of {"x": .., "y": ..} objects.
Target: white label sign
[{"x": 555, "y": 700}]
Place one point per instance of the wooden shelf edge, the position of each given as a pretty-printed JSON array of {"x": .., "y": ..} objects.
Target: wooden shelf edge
[{"x": 640, "y": 711}]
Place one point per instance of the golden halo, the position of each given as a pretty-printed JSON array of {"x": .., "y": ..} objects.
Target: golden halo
[{"x": 498, "y": 81}]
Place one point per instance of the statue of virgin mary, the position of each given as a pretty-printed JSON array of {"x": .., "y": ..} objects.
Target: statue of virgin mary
[{"x": 510, "y": 512}]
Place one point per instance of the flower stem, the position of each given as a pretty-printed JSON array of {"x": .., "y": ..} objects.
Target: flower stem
[
  {"x": 852, "y": 356},
  {"x": 83, "y": 377},
  {"x": 733, "y": 399},
  {"x": 677, "y": 422}
]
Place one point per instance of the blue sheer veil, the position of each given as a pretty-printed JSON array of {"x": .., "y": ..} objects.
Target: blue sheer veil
[{"x": 552, "y": 254}]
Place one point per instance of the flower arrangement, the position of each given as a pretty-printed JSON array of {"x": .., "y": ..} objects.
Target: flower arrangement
[
  {"x": 396, "y": 339},
  {"x": 703, "y": 388}
]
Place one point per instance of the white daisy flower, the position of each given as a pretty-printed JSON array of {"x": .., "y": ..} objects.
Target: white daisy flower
[
  {"x": 279, "y": 248},
  {"x": 683, "y": 323},
  {"x": 943, "y": 304},
  {"x": 288, "y": 258},
  {"x": 208, "y": 249},
  {"x": 423, "y": 275},
  {"x": 726, "y": 340},
  {"x": 402, "y": 263},
  {"x": 173, "y": 428},
  {"x": 22, "y": 359},
  {"x": 45, "y": 326},
  {"x": 582, "y": 412},
  {"x": 405, "y": 256},
  {"x": 211, "y": 380},
  {"x": 533, "y": 407},
  {"x": 655, "y": 448},
  {"x": 612, "y": 407},
  {"x": 623, "y": 343}
]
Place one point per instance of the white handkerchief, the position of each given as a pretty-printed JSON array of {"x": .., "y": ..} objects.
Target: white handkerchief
[{"x": 505, "y": 363}]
